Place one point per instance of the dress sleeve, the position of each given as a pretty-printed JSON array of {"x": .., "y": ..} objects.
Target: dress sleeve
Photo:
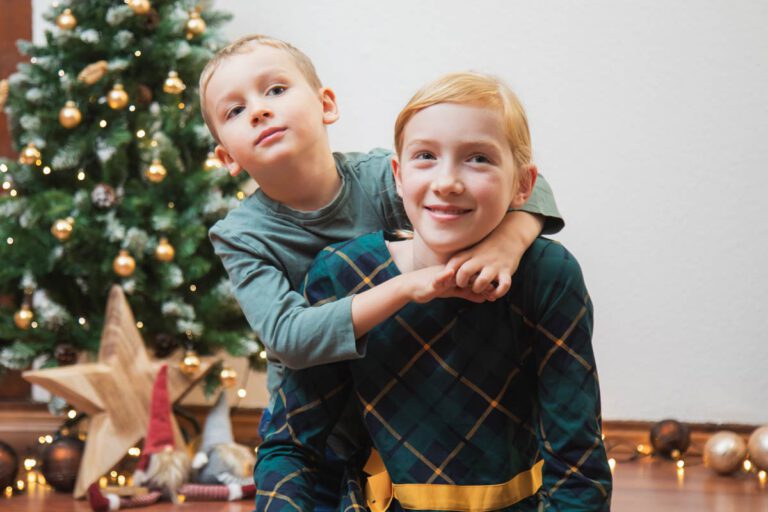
[
  {"x": 291, "y": 331},
  {"x": 576, "y": 472},
  {"x": 542, "y": 202}
]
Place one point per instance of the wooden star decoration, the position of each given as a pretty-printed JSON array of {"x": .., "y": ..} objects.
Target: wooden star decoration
[{"x": 115, "y": 391}]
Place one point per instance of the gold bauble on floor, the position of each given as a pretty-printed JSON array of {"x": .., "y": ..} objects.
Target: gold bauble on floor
[
  {"x": 724, "y": 452},
  {"x": 758, "y": 447}
]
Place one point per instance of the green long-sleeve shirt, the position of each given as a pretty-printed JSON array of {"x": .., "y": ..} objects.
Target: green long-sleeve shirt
[{"x": 267, "y": 248}]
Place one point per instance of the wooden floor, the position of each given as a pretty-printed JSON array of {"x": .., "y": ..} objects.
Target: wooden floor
[{"x": 647, "y": 485}]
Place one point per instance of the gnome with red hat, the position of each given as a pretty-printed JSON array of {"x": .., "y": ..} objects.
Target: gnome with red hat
[{"x": 163, "y": 468}]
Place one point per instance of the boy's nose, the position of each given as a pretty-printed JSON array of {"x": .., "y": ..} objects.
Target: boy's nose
[{"x": 260, "y": 114}]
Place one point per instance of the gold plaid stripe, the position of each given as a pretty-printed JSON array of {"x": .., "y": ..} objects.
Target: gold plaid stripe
[{"x": 273, "y": 494}]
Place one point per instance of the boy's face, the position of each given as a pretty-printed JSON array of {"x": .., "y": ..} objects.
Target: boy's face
[
  {"x": 456, "y": 175},
  {"x": 265, "y": 112}
]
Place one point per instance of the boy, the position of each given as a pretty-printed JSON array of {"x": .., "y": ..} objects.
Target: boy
[
  {"x": 268, "y": 111},
  {"x": 490, "y": 406}
]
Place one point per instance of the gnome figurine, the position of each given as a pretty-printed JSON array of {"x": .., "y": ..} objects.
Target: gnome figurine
[
  {"x": 220, "y": 460},
  {"x": 163, "y": 468}
]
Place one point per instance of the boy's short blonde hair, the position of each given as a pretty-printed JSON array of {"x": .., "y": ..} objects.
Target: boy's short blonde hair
[
  {"x": 244, "y": 45},
  {"x": 469, "y": 88}
]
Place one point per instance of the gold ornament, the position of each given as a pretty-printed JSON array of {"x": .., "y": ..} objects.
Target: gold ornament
[
  {"x": 724, "y": 452},
  {"x": 62, "y": 228},
  {"x": 156, "y": 171},
  {"x": 139, "y": 6},
  {"x": 92, "y": 73},
  {"x": 758, "y": 447},
  {"x": 164, "y": 251},
  {"x": 212, "y": 162},
  {"x": 4, "y": 89},
  {"x": 195, "y": 25},
  {"x": 173, "y": 84},
  {"x": 23, "y": 317},
  {"x": 190, "y": 364},
  {"x": 228, "y": 377},
  {"x": 124, "y": 264},
  {"x": 29, "y": 155},
  {"x": 117, "y": 98},
  {"x": 66, "y": 20},
  {"x": 70, "y": 116}
]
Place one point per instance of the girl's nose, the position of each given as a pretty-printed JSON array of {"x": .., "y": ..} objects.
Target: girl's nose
[{"x": 447, "y": 183}]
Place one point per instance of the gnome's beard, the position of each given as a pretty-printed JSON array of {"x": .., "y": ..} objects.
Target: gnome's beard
[
  {"x": 167, "y": 471},
  {"x": 228, "y": 463}
]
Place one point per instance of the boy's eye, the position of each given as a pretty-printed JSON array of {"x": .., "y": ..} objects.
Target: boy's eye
[
  {"x": 234, "y": 111},
  {"x": 276, "y": 90},
  {"x": 423, "y": 155}
]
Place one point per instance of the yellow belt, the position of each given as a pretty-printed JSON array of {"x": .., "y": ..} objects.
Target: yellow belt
[{"x": 379, "y": 491}]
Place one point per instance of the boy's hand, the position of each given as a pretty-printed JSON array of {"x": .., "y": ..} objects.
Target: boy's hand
[
  {"x": 437, "y": 282},
  {"x": 488, "y": 266}
]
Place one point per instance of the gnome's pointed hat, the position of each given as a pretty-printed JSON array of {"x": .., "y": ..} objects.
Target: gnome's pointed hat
[
  {"x": 218, "y": 427},
  {"x": 160, "y": 430}
]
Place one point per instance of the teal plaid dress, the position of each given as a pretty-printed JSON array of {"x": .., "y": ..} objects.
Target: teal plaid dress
[{"x": 452, "y": 393}]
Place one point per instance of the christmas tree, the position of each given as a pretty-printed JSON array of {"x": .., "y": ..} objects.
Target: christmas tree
[{"x": 114, "y": 183}]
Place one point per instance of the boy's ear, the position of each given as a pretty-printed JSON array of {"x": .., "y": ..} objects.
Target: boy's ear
[
  {"x": 396, "y": 173},
  {"x": 229, "y": 162},
  {"x": 330, "y": 108},
  {"x": 525, "y": 184}
]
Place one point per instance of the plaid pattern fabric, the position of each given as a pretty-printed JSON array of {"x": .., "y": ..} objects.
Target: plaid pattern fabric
[{"x": 452, "y": 392}]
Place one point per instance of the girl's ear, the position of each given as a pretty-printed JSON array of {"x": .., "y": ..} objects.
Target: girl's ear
[
  {"x": 396, "y": 173},
  {"x": 229, "y": 162},
  {"x": 330, "y": 108},
  {"x": 525, "y": 183}
]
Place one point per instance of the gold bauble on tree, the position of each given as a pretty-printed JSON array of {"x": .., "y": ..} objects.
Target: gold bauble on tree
[
  {"x": 93, "y": 72},
  {"x": 29, "y": 155},
  {"x": 23, "y": 317},
  {"x": 190, "y": 363},
  {"x": 66, "y": 20},
  {"x": 124, "y": 264},
  {"x": 212, "y": 163},
  {"x": 139, "y": 6},
  {"x": 173, "y": 84},
  {"x": 724, "y": 452},
  {"x": 156, "y": 171},
  {"x": 164, "y": 250},
  {"x": 4, "y": 90},
  {"x": 70, "y": 116},
  {"x": 195, "y": 25},
  {"x": 62, "y": 228},
  {"x": 117, "y": 98},
  {"x": 228, "y": 377}
]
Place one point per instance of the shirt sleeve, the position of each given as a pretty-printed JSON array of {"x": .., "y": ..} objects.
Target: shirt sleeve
[
  {"x": 576, "y": 472},
  {"x": 291, "y": 331},
  {"x": 542, "y": 202},
  {"x": 309, "y": 403}
]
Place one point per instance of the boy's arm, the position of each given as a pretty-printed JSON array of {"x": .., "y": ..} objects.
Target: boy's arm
[
  {"x": 308, "y": 404},
  {"x": 576, "y": 472},
  {"x": 496, "y": 258}
]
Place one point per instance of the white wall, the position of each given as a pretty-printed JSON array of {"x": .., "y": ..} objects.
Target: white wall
[{"x": 650, "y": 120}]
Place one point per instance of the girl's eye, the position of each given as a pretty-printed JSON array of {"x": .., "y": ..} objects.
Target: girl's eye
[
  {"x": 423, "y": 155},
  {"x": 234, "y": 111},
  {"x": 479, "y": 159},
  {"x": 276, "y": 90}
]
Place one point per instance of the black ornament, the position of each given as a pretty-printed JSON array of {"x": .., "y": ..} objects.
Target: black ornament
[
  {"x": 65, "y": 354},
  {"x": 60, "y": 462},
  {"x": 165, "y": 344},
  {"x": 670, "y": 438},
  {"x": 9, "y": 465}
]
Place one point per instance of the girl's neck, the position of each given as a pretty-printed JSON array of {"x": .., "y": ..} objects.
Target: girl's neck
[{"x": 413, "y": 254}]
